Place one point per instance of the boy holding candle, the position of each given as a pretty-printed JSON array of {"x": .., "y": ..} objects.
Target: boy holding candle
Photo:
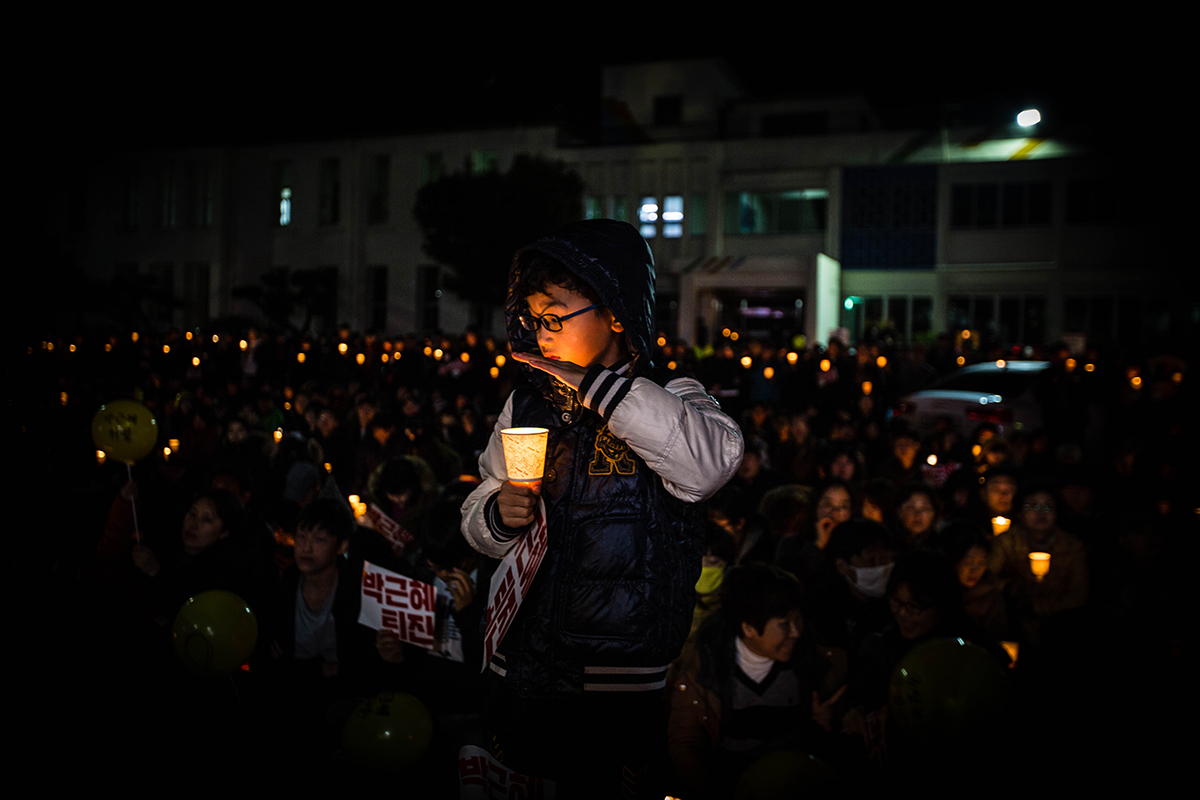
[{"x": 632, "y": 452}]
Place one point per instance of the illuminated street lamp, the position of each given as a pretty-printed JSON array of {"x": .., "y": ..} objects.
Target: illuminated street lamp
[{"x": 1029, "y": 117}]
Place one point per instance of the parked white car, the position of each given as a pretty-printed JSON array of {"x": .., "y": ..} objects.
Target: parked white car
[{"x": 1000, "y": 392}]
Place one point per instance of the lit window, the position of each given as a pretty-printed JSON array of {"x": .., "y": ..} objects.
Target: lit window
[
  {"x": 648, "y": 210},
  {"x": 283, "y": 190},
  {"x": 592, "y": 208},
  {"x": 648, "y": 216},
  {"x": 673, "y": 216}
]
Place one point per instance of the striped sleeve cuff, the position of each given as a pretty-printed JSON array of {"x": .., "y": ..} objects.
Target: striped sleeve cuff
[
  {"x": 602, "y": 389},
  {"x": 500, "y": 532}
]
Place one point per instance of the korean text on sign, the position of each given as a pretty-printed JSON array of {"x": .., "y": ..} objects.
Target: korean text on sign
[
  {"x": 396, "y": 534},
  {"x": 511, "y": 582},
  {"x": 404, "y": 606}
]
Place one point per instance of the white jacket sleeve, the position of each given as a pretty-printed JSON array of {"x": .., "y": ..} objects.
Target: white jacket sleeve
[
  {"x": 478, "y": 533},
  {"x": 678, "y": 430}
]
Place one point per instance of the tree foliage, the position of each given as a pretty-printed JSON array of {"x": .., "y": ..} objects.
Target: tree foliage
[
  {"x": 474, "y": 222},
  {"x": 282, "y": 295}
]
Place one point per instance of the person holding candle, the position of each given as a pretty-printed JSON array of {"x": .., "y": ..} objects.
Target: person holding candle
[
  {"x": 632, "y": 452},
  {"x": 1035, "y": 529}
]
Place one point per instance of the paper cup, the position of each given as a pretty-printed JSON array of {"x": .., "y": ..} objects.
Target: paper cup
[{"x": 524, "y": 453}]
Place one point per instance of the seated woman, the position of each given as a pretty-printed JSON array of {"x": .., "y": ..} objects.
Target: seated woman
[
  {"x": 756, "y": 683},
  {"x": 967, "y": 545},
  {"x": 212, "y": 557},
  {"x": 803, "y": 555}
]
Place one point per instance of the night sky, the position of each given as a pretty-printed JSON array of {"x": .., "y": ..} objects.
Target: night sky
[{"x": 215, "y": 85}]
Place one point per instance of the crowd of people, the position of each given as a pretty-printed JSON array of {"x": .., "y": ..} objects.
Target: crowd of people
[{"x": 846, "y": 539}]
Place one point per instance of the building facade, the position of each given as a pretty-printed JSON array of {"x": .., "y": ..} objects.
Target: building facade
[{"x": 776, "y": 218}]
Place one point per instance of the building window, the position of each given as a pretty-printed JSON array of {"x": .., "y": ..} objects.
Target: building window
[
  {"x": 593, "y": 208},
  {"x": 668, "y": 109},
  {"x": 330, "y": 191},
  {"x": 283, "y": 191},
  {"x": 379, "y": 298},
  {"x": 1007, "y": 205},
  {"x": 483, "y": 161},
  {"x": 648, "y": 217},
  {"x": 377, "y": 201},
  {"x": 620, "y": 208},
  {"x": 698, "y": 216},
  {"x": 197, "y": 195},
  {"x": 672, "y": 216},
  {"x": 130, "y": 200},
  {"x": 797, "y": 211},
  {"x": 169, "y": 200},
  {"x": 432, "y": 167}
]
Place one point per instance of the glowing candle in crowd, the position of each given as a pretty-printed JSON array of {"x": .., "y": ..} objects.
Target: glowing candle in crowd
[{"x": 1039, "y": 564}]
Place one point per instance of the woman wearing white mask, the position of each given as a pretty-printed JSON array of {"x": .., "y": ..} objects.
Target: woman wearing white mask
[{"x": 849, "y": 587}]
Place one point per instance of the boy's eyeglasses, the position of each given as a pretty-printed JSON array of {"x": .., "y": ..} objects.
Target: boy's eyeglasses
[{"x": 551, "y": 322}]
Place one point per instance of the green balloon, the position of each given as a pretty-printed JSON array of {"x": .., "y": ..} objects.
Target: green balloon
[
  {"x": 947, "y": 691},
  {"x": 388, "y": 733},
  {"x": 214, "y": 633},
  {"x": 784, "y": 775}
]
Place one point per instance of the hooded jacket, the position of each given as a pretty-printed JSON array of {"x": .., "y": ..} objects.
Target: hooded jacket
[{"x": 630, "y": 456}]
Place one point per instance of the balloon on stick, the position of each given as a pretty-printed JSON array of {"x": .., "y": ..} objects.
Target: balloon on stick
[{"x": 125, "y": 429}]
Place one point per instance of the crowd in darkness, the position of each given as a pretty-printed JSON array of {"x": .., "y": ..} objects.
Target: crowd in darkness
[{"x": 268, "y": 434}]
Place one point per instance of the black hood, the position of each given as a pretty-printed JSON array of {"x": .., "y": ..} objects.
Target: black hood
[{"x": 615, "y": 261}]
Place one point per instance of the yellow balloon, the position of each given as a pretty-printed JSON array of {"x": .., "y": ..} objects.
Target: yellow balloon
[
  {"x": 125, "y": 429},
  {"x": 214, "y": 633}
]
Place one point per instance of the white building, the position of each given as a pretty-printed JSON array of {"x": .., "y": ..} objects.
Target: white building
[{"x": 774, "y": 217}]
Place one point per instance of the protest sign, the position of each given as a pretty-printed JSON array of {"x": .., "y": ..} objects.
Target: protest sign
[
  {"x": 512, "y": 580},
  {"x": 396, "y": 534},
  {"x": 481, "y": 777},
  {"x": 404, "y": 606}
]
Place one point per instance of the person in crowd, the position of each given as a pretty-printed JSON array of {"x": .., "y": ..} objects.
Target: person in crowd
[
  {"x": 851, "y": 582},
  {"x": 730, "y": 509},
  {"x": 1064, "y": 587},
  {"x": 917, "y": 513},
  {"x": 968, "y": 546},
  {"x": 213, "y": 555},
  {"x": 632, "y": 453},
  {"x": 756, "y": 683}
]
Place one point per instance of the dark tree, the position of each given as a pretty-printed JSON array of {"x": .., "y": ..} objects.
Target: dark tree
[
  {"x": 474, "y": 223},
  {"x": 282, "y": 295}
]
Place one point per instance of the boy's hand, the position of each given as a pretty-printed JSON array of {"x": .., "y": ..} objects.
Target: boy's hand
[
  {"x": 516, "y": 503},
  {"x": 565, "y": 371}
]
